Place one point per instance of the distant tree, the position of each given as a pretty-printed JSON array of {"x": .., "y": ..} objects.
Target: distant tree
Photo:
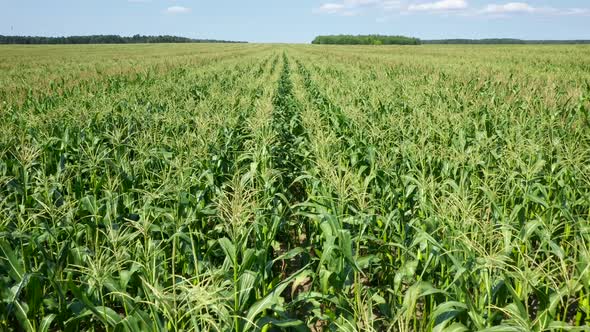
[
  {"x": 502, "y": 41},
  {"x": 104, "y": 39},
  {"x": 365, "y": 40}
]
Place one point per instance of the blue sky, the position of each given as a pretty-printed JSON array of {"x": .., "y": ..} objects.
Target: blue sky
[{"x": 299, "y": 20}]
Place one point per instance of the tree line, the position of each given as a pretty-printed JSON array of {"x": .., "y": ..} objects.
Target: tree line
[
  {"x": 402, "y": 40},
  {"x": 104, "y": 39},
  {"x": 365, "y": 40},
  {"x": 502, "y": 41}
]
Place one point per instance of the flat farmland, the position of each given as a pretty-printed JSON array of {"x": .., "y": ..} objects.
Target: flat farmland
[{"x": 271, "y": 187}]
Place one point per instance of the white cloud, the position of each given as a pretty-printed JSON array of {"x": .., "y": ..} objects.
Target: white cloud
[
  {"x": 511, "y": 7},
  {"x": 387, "y": 8},
  {"x": 360, "y": 2},
  {"x": 391, "y": 5},
  {"x": 442, "y": 5},
  {"x": 526, "y": 8},
  {"x": 576, "y": 11},
  {"x": 346, "y": 7},
  {"x": 331, "y": 8},
  {"x": 354, "y": 7},
  {"x": 177, "y": 10}
]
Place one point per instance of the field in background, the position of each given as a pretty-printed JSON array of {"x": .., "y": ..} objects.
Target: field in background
[{"x": 290, "y": 187}]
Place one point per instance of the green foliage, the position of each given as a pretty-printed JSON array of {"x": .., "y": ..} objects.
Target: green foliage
[
  {"x": 297, "y": 188},
  {"x": 501, "y": 41},
  {"x": 104, "y": 39},
  {"x": 365, "y": 40}
]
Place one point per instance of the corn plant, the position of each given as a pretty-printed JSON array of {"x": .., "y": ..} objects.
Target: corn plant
[{"x": 299, "y": 188}]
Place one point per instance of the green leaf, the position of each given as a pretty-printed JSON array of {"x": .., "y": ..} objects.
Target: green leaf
[
  {"x": 504, "y": 328},
  {"x": 228, "y": 248},
  {"x": 46, "y": 323},
  {"x": 416, "y": 291},
  {"x": 89, "y": 204},
  {"x": 365, "y": 261},
  {"x": 111, "y": 317},
  {"x": 346, "y": 248},
  {"x": 105, "y": 315},
  {"x": 21, "y": 316},
  {"x": 455, "y": 327},
  {"x": 446, "y": 311},
  {"x": 16, "y": 270},
  {"x": 285, "y": 324},
  {"x": 325, "y": 280},
  {"x": 408, "y": 270},
  {"x": 290, "y": 254},
  {"x": 247, "y": 282},
  {"x": 562, "y": 326},
  {"x": 270, "y": 300}
]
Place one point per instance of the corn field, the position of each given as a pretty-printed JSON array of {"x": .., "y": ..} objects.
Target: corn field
[{"x": 294, "y": 188}]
